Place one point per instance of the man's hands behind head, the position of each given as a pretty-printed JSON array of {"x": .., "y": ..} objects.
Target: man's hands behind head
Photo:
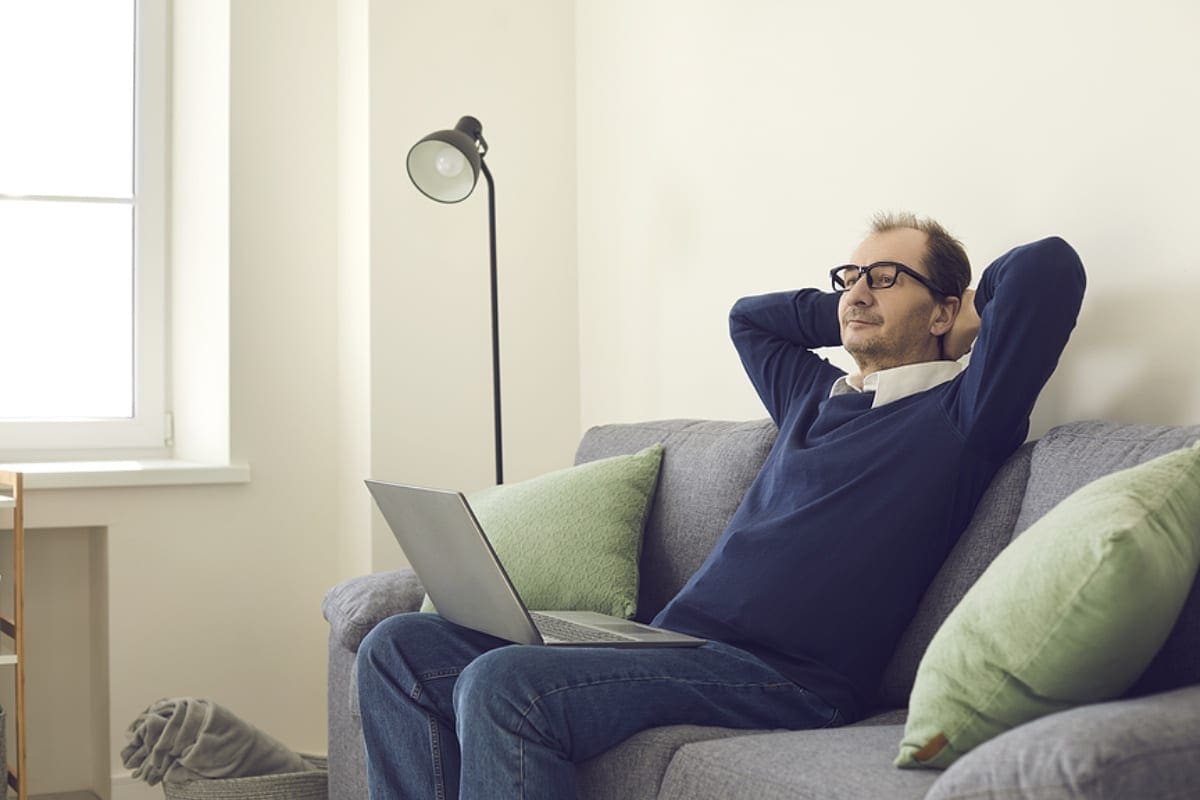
[{"x": 957, "y": 342}]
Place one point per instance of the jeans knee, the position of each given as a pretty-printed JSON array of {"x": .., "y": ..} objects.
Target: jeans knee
[
  {"x": 383, "y": 650},
  {"x": 503, "y": 689}
]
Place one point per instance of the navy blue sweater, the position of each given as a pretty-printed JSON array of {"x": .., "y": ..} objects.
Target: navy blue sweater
[{"x": 823, "y": 563}]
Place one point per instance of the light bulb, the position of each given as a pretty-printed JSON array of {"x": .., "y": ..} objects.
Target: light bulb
[{"x": 450, "y": 162}]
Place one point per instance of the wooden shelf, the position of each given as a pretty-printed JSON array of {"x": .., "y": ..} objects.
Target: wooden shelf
[{"x": 12, "y": 496}]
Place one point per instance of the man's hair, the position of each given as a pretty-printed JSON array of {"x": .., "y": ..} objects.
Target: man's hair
[{"x": 945, "y": 259}]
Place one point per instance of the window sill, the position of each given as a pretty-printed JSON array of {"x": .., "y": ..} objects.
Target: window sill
[{"x": 112, "y": 474}]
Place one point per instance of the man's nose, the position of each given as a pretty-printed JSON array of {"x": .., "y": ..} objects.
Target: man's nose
[{"x": 859, "y": 294}]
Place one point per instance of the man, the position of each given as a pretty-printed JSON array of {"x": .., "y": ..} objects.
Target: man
[{"x": 872, "y": 478}]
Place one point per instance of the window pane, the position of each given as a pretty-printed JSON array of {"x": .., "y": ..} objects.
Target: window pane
[
  {"x": 66, "y": 309},
  {"x": 66, "y": 89}
]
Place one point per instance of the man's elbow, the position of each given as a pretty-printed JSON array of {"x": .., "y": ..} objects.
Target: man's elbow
[
  {"x": 739, "y": 315},
  {"x": 1061, "y": 265}
]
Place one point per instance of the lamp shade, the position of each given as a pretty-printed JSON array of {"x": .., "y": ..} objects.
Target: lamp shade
[{"x": 445, "y": 165}]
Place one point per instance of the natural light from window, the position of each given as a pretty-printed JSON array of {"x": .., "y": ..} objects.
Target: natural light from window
[{"x": 67, "y": 205}]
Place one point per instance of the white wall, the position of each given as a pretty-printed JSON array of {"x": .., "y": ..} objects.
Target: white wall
[{"x": 729, "y": 149}]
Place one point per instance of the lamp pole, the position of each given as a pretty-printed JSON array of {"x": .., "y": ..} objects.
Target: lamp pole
[
  {"x": 445, "y": 166},
  {"x": 487, "y": 174}
]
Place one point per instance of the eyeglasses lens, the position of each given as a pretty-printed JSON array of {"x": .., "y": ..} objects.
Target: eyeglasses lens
[
  {"x": 882, "y": 276},
  {"x": 879, "y": 276}
]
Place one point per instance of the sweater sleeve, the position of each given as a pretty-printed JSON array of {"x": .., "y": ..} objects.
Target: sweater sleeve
[
  {"x": 775, "y": 334},
  {"x": 1028, "y": 301}
]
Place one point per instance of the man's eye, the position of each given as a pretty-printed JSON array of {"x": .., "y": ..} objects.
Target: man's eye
[{"x": 850, "y": 280}]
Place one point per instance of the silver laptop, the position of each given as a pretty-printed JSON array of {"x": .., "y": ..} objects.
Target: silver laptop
[{"x": 446, "y": 546}]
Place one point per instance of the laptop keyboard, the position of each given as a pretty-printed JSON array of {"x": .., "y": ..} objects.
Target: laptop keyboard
[{"x": 566, "y": 631}]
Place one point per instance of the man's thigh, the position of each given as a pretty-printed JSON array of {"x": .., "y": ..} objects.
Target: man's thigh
[{"x": 583, "y": 700}]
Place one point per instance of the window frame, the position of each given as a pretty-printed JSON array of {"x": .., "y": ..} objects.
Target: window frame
[{"x": 147, "y": 434}]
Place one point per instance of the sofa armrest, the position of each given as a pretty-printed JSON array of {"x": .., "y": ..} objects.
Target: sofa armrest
[
  {"x": 1138, "y": 747},
  {"x": 354, "y": 607}
]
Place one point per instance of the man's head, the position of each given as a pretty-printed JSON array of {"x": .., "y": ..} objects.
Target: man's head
[{"x": 902, "y": 324}]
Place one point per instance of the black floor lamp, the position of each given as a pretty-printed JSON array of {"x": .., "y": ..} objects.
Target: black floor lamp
[{"x": 445, "y": 166}]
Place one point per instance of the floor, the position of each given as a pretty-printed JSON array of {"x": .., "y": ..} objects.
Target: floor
[{"x": 65, "y": 796}]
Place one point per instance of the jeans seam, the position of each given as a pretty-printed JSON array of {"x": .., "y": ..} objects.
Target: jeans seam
[
  {"x": 439, "y": 778},
  {"x": 448, "y": 672},
  {"x": 521, "y": 771}
]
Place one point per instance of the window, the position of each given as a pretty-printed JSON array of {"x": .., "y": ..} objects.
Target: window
[{"x": 82, "y": 195}]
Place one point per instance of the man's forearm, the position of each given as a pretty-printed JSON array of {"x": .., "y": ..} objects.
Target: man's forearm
[
  {"x": 774, "y": 335},
  {"x": 805, "y": 318}
]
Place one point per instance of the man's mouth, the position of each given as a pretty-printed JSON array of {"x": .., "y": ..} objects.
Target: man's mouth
[{"x": 861, "y": 321}]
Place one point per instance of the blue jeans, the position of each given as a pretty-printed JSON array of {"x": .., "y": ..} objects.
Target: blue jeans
[{"x": 450, "y": 712}]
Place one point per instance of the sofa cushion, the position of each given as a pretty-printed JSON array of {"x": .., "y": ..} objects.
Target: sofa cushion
[
  {"x": 1147, "y": 747},
  {"x": 1072, "y": 455},
  {"x": 990, "y": 531},
  {"x": 1052, "y": 623},
  {"x": 707, "y": 468},
  {"x": 354, "y": 607},
  {"x": 850, "y": 763},
  {"x": 633, "y": 770},
  {"x": 570, "y": 540}
]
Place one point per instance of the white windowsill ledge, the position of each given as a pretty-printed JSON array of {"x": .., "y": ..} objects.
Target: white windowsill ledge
[{"x": 110, "y": 474}]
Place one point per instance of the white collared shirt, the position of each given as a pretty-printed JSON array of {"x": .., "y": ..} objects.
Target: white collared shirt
[{"x": 899, "y": 382}]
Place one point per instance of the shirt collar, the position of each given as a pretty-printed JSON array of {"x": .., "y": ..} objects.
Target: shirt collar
[{"x": 897, "y": 383}]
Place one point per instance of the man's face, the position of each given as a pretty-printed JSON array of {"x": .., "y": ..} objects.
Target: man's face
[{"x": 885, "y": 328}]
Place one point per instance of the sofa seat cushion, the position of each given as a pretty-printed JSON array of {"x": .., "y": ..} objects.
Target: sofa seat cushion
[
  {"x": 634, "y": 769},
  {"x": 1147, "y": 747},
  {"x": 850, "y": 763}
]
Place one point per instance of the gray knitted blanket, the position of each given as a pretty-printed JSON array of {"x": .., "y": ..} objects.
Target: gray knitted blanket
[{"x": 183, "y": 739}]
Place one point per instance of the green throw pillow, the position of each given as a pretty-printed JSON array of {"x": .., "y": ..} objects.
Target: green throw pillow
[
  {"x": 1070, "y": 613},
  {"x": 570, "y": 540}
]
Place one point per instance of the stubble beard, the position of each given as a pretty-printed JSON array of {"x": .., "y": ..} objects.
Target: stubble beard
[{"x": 880, "y": 352}]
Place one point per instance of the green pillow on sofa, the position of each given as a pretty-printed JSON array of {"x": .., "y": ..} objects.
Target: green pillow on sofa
[
  {"x": 1069, "y": 613},
  {"x": 570, "y": 540}
]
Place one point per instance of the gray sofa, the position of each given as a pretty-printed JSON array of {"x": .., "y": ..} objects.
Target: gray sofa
[{"x": 1146, "y": 744}]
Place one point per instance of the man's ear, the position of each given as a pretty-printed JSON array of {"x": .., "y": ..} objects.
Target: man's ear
[{"x": 944, "y": 314}]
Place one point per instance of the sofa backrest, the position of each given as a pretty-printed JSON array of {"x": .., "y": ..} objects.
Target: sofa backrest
[
  {"x": 708, "y": 466},
  {"x": 706, "y": 469}
]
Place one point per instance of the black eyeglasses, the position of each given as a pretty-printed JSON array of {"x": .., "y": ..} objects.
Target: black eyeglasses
[{"x": 880, "y": 275}]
